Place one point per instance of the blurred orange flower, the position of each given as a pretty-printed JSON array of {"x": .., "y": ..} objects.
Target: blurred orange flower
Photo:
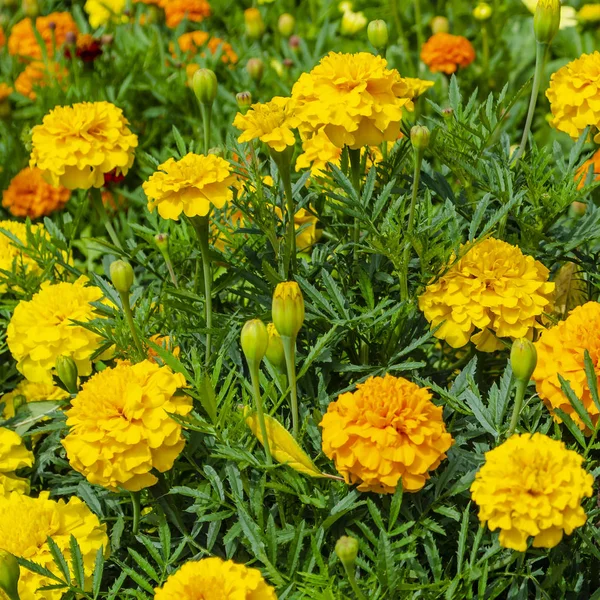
[
  {"x": 178, "y": 10},
  {"x": 444, "y": 52},
  {"x": 53, "y": 29}
]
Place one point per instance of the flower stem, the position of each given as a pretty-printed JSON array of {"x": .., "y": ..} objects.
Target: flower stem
[
  {"x": 540, "y": 61},
  {"x": 206, "y": 110},
  {"x": 135, "y": 504},
  {"x": 520, "y": 388},
  {"x": 130, "y": 321},
  {"x": 284, "y": 165},
  {"x": 355, "y": 176},
  {"x": 485, "y": 43},
  {"x": 201, "y": 226},
  {"x": 169, "y": 264},
  {"x": 352, "y": 579},
  {"x": 289, "y": 349},
  {"x": 96, "y": 196},
  {"x": 254, "y": 376},
  {"x": 419, "y": 25}
]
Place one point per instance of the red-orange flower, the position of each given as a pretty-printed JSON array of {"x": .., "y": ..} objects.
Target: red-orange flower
[{"x": 446, "y": 52}]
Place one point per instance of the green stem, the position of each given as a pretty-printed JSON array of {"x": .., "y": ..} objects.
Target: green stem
[
  {"x": 135, "y": 504},
  {"x": 206, "y": 110},
  {"x": 352, "y": 579},
  {"x": 254, "y": 376},
  {"x": 520, "y": 388},
  {"x": 169, "y": 264},
  {"x": 284, "y": 165},
  {"x": 485, "y": 43},
  {"x": 96, "y": 196},
  {"x": 130, "y": 321},
  {"x": 289, "y": 349},
  {"x": 201, "y": 226},
  {"x": 540, "y": 61},
  {"x": 420, "y": 40},
  {"x": 355, "y": 162}
]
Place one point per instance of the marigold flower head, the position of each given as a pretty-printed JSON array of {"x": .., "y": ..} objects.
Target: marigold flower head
[
  {"x": 39, "y": 75},
  {"x": 444, "y": 52},
  {"x": 53, "y": 29},
  {"x": 121, "y": 428},
  {"x": 213, "y": 578},
  {"x": 561, "y": 351},
  {"x": 318, "y": 152},
  {"x": 589, "y": 13},
  {"x": 13, "y": 456},
  {"x": 582, "y": 173},
  {"x": 573, "y": 96},
  {"x": 28, "y": 391},
  {"x": 531, "y": 485},
  {"x": 87, "y": 48},
  {"x": 195, "y": 42},
  {"x": 178, "y": 10},
  {"x": 26, "y": 524},
  {"x": 5, "y": 91},
  {"x": 191, "y": 185},
  {"x": 271, "y": 122},
  {"x": 42, "y": 329},
  {"x": 77, "y": 145},
  {"x": 493, "y": 291},
  {"x": 355, "y": 97},
  {"x": 101, "y": 12},
  {"x": 388, "y": 432}
]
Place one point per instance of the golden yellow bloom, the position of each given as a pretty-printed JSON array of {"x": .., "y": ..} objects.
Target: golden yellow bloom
[
  {"x": 561, "y": 352},
  {"x": 195, "y": 41},
  {"x": 387, "y": 432},
  {"x": 493, "y": 291},
  {"x": 215, "y": 579},
  {"x": 531, "y": 485},
  {"x": 176, "y": 11},
  {"x": 5, "y": 91},
  {"x": 29, "y": 195},
  {"x": 102, "y": 12},
  {"x": 318, "y": 151},
  {"x": 120, "y": 425},
  {"x": 589, "y": 13},
  {"x": 25, "y": 525},
  {"x": 13, "y": 456},
  {"x": 42, "y": 329},
  {"x": 572, "y": 94},
  {"x": 305, "y": 224},
  {"x": 27, "y": 391},
  {"x": 446, "y": 52},
  {"x": 191, "y": 185},
  {"x": 271, "y": 122},
  {"x": 53, "y": 29},
  {"x": 355, "y": 97},
  {"x": 76, "y": 146}
]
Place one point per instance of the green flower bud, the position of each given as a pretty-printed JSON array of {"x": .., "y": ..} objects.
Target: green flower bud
[
  {"x": 244, "y": 101},
  {"x": 546, "y": 20},
  {"x": 346, "y": 549},
  {"x": 523, "y": 359},
  {"x": 255, "y": 68},
  {"x": 377, "y": 31},
  {"x": 162, "y": 241},
  {"x": 9, "y": 575},
  {"x": 66, "y": 369},
  {"x": 482, "y": 12},
  {"x": 286, "y": 25},
  {"x": 419, "y": 137},
  {"x": 255, "y": 26},
  {"x": 440, "y": 25},
  {"x": 275, "y": 352},
  {"x": 205, "y": 84},
  {"x": 121, "y": 275},
  {"x": 288, "y": 309},
  {"x": 254, "y": 339}
]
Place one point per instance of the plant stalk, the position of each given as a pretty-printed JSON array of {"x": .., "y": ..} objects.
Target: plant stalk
[
  {"x": 289, "y": 349},
  {"x": 520, "y": 388},
  {"x": 254, "y": 376},
  {"x": 131, "y": 322},
  {"x": 355, "y": 161},
  {"x": 352, "y": 579},
  {"x": 206, "y": 110},
  {"x": 135, "y": 504},
  {"x": 96, "y": 196}
]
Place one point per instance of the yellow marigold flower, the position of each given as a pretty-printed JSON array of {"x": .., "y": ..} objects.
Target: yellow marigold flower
[
  {"x": 13, "y": 456},
  {"x": 271, "y": 122},
  {"x": 27, "y": 391},
  {"x": 355, "y": 97},
  {"x": 561, "y": 351},
  {"x": 42, "y": 329},
  {"x": 53, "y": 29},
  {"x": 5, "y": 91},
  {"x": 583, "y": 171},
  {"x": 531, "y": 485},
  {"x": 446, "y": 52},
  {"x": 29, "y": 195},
  {"x": 178, "y": 10},
  {"x": 213, "y": 578},
  {"x": 191, "y": 185},
  {"x": 305, "y": 224},
  {"x": 589, "y": 13},
  {"x": 37, "y": 75},
  {"x": 572, "y": 95},
  {"x": 164, "y": 341},
  {"x": 120, "y": 425},
  {"x": 493, "y": 288},
  {"x": 25, "y": 525},
  {"x": 387, "y": 432},
  {"x": 195, "y": 41},
  {"x": 318, "y": 151},
  {"x": 101, "y": 12},
  {"x": 76, "y": 146}
]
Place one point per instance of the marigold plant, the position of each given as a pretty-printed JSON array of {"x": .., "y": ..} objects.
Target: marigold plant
[
  {"x": 13, "y": 456},
  {"x": 444, "y": 52}
]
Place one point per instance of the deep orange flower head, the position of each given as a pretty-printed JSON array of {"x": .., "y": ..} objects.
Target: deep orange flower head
[
  {"x": 196, "y": 42},
  {"x": 38, "y": 75},
  {"x": 583, "y": 171},
  {"x": 444, "y": 52},
  {"x": 178, "y": 10}
]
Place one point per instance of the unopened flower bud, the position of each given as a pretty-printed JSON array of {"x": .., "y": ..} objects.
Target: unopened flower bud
[
  {"x": 204, "y": 84},
  {"x": 346, "y": 549},
  {"x": 9, "y": 575},
  {"x": 52, "y": 26},
  {"x": 107, "y": 39},
  {"x": 546, "y": 20},
  {"x": 244, "y": 101},
  {"x": 578, "y": 208},
  {"x": 352, "y": 22},
  {"x": 447, "y": 112},
  {"x": 294, "y": 42},
  {"x": 121, "y": 275},
  {"x": 275, "y": 352},
  {"x": 254, "y": 339},
  {"x": 288, "y": 63},
  {"x": 377, "y": 31},
  {"x": 286, "y": 25},
  {"x": 523, "y": 359},
  {"x": 482, "y": 12},
  {"x": 288, "y": 309},
  {"x": 30, "y": 8},
  {"x": 66, "y": 369},
  {"x": 162, "y": 240},
  {"x": 345, "y": 6},
  {"x": 70, "y": 38},
  {"x": 440, "y": 25},
  {"x": 419, "y": 137},
  {"x": 277, "y": 66},
  {"x": 255, "y": 68},
  {"x": 255, "y": 26}
]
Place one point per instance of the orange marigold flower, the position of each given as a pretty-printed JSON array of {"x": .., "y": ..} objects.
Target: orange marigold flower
[
  {"x": 37, "y": 75},
  {"x": 583, "y": 171},
  {"x": 194, "y": 42},
  {"x": 561, "y": 351},
  {"x": 444, "y": 52},
  {"x": 386, "y": 432},
  {"x": 178, "y": 10},
  {"x": 53, "y": 29},
  {"x": 30, "y": 195},
  {"x": 5, "y": 91}
]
